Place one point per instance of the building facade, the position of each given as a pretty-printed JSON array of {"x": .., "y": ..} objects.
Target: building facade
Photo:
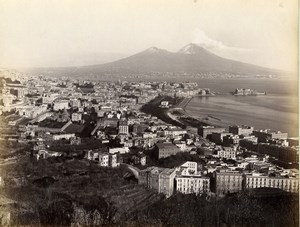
[
  {"x": 158, "y": 179},
  {"x": 123, "y": 127},
  {"x": 241, "y": 130},
  {"x": 227, "y": 152},
  {"x": 228, "y": 182},
  {"x": 192, "y": 184},
  {"x": 166, "y": 149},
  {"x": 204, "y": 131},
  {"x": 290, "y": 184},
  {"x": 265, "y": 135}
]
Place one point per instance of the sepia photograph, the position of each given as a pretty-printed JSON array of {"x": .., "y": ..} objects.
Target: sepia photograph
[{"x": 149, "y": 113}]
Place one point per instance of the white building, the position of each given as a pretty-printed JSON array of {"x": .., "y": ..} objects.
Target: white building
[
  {"x": 64, "y": 136},
  {"x": 32, "y": 111},
  {"x": 192, "y": 184},
  {"x": 227, "y": 152},
  {"x": 123, "y": 127},
  {"x": 104, "y": 159},
  {"x": 289, "y": 184},
  {"x": 113, "y": 160},
  {"x": 61, "y": 104},
  {"x": 8, "y": 99},
  {"x": 121, "y": 150},
  {"x": 44, "y": 154},
  {"x": 181, "y": 145},
  {"x": 76, "y": 116},
  {"x": 49, "y": 98},
  {"x": 189, "y": 180}
]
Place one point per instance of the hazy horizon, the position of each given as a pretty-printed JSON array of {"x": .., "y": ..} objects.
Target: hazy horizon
[{"x": 76, "y": 33}]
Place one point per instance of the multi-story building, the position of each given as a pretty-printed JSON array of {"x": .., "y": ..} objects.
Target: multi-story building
[
  {"x": 166, "y": 182},
  {"x": 181, "y": 145},
  {"x": 7, "y": 99},
  {"x": 265, "y": 135},
  {"x": 166, "y": 149},
  {"x": 18, "y": 90},
  {"x": 104, "y": 159},
  {"x": 174, "y": 131},
  {"x": 113, "y": 160},
  {"x": 282, "y": 153},
  {"x": 204, "y": 131},
  {"x": 241, "y": 130},
  {"x": 218, "y": 137},
  {"x": 60, "y": 104},
  {"x": 228, "y": 182},
  {"x": 32, "y": 111},
  {"x": 123, "y": 127},
  {"x": 76, "y": 116},
  {"x": 192, "y": 184},
  {"x": 120, "y": 150},
  {"x": 159, "y": 179},
  {"x": 49, "y": 98},
  {"x": 231, "y": 140},
  {"x": 293, "y": 142},
  {"x": 66, "y": 136},
  {"x": 227, "y": 152},
  {"x": 289, "y": 184},
  {"x": 189, "y": 180},
  {"x": 75, "y": 103},
  {"x": 139, "y": 128}
]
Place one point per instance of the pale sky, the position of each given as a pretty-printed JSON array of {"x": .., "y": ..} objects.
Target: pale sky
[{"x": 82, "y": 32}]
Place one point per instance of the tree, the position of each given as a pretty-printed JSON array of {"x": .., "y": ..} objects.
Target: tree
[{"x": 96, "y": 211}]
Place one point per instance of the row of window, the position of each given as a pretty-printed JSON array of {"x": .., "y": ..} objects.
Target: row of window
[{"x": 271, "y": 180}]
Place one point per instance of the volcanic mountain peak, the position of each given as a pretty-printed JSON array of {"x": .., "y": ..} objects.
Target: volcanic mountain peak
[
  {"x": 154, "y": 50},
  {"x": 192, "y": 48}
]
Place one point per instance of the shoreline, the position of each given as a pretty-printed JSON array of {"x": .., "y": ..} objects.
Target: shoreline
[
  {"x": 208, "y": 117},
  {"x": 178, "y": 113}
]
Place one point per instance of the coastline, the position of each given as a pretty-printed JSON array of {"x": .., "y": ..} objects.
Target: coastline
[
  {"x": 178, "y": 113},
  {"x": 262, "y": 112}
]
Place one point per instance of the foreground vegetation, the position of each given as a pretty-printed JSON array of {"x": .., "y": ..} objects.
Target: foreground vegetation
[{"x": 242, "y": 209}]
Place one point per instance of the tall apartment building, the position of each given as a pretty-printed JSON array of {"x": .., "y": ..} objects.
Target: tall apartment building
[
  {"x": 228, "y": 182},
  {"x": 166, "y": 182},
  {"x": 159, "y": 179},
  {"x": 123, "y": 127}
]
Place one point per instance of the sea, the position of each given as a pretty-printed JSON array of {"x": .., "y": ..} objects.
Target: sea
[{"x": 278, "y": 110}]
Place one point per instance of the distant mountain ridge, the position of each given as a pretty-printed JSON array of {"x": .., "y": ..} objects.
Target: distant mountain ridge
[{"x": 189, "y": 59}]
